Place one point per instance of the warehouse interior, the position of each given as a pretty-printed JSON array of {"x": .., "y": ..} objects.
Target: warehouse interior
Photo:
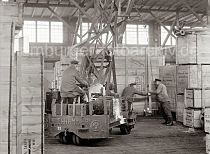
[{"x": 112, "y": 45}]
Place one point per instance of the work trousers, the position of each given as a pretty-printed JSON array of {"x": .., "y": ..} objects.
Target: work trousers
[{"x": 166, "y": 111}]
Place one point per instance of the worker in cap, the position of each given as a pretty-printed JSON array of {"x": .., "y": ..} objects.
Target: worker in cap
[
  {"x": 72, "y": 80},
  {"x": 163, "y": 99},
  {"x": 128, "y": 94}
]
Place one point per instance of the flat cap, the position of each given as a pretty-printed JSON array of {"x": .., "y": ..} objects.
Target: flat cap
[
  {"x": 132, "y": 83},
  {"x": 157, "y": 80},
  {"x": 74, "y": 62}
]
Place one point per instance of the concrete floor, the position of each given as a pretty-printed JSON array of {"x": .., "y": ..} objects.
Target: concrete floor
[{"x": 148, "y": 137}]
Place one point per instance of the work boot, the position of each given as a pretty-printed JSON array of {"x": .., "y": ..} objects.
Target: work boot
[
  {"x": 170, "y": 122},
  {"x": 164, "y": 123}
]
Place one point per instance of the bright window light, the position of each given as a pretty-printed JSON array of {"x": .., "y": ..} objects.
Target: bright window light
[
  {"x": 56, "y": 32},
  {"x": 143, "y": 37},
  {"x": 43, "y": 31},
  {"x": 29, "y": 30},
  {"x": 131, "y": 34}
]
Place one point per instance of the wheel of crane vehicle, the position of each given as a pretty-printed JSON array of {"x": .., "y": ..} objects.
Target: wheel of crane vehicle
[
  {"x": 74, "y": 139},
  {"x": 125, "y": 129},
  {"x": 78, "y": 140},
  {"x": 63, "y": 139},
  {"x": 110, "y": 130}
]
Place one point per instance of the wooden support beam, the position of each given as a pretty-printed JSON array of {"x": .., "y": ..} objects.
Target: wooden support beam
[
  {"x": 33, "y": 12},
  {"x": 208, "y": 10},
  {"x": 158, "y": 20},
  {"x": 170, "y": 33},
  {"x": 193, "y": 12},
  {"x": 82, "y": 10},
  {"x": 42, "y": 14},
  {"x": 143, "y": 10},
  {"x": 61, "y": 19},
  {"x": 123, "y": 26},
  {"x": 54, "y": 11}
]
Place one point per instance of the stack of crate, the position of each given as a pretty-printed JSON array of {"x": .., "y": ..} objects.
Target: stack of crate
[
  {"x": 168, "y": 77},
  {"x": 30, "y": 106},
  {"x": 193, "y": 73},
  {"x": 207, "y": 128}
]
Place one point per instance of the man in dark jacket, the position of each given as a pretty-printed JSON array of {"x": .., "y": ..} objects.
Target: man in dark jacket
[
  {"x": 163, "y": 99},
  {"x": 70, "y": 80}
]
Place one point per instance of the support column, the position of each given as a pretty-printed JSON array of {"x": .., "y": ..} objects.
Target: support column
[
  {"x": 10, "y": 17},
  {"x": 208, "y": 11},
  {"x": 68, "y": 33},
  {"x": 154, "y": 35}
]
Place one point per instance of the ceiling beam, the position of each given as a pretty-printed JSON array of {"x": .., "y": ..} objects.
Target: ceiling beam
[
  {"x": 63, "y": 20},
  {"x": 208, "y": 11},
  {"x": 193, "y": 12},
  {"x": 123, "y": 9},
  {"x": 169, "y": 33},
  {"x": 158, "y": 20},
  {"x": 54, "y": 11},
  {"x": 42, "y": 14},
  {"x": 33, "y": 12}
]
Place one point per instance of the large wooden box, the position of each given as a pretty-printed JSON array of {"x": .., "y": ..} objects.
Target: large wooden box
[
  {"x": 180, "y": 108},
  {"x": 208, "y": 143},
  {"x": 192, "y": 118},
  {"x": 193, "y": 49},
  {"x": 205, "y": 76},
  {"x": 193, "y": 98},
  {"x": 31, "y": 144},
  {"x": 188, "y": 76},
  {"x": 168, "y": 77},
  {"x": 207, "y": 120}
]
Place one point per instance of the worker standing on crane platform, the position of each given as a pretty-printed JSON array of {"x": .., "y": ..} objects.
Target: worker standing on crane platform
[
  {"x": 163, "y": 99},
  {"x": 70, "y": 80}
]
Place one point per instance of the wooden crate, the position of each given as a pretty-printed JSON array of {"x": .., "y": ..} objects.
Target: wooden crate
[
  {"x": 172, "y": 95},
  {"x": 207, "y": 120},
  {"x": 193, "y": 98},
  {"x": 168, "y": 75},
  {"x": 205, "y": 76},
  {"x": 192, "y": 118},
  {"x": 206, "y": 98},
  {"x": 31, "y": 144},
  {"x": 208, "y": 143},
  {"x": 193, "y": 49},
  {"x": 179, "y": 108},
  {"x": 29, "y": 82},
  {"x": 186, "y": 49},
  {"x": 188, "y": 76}
]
